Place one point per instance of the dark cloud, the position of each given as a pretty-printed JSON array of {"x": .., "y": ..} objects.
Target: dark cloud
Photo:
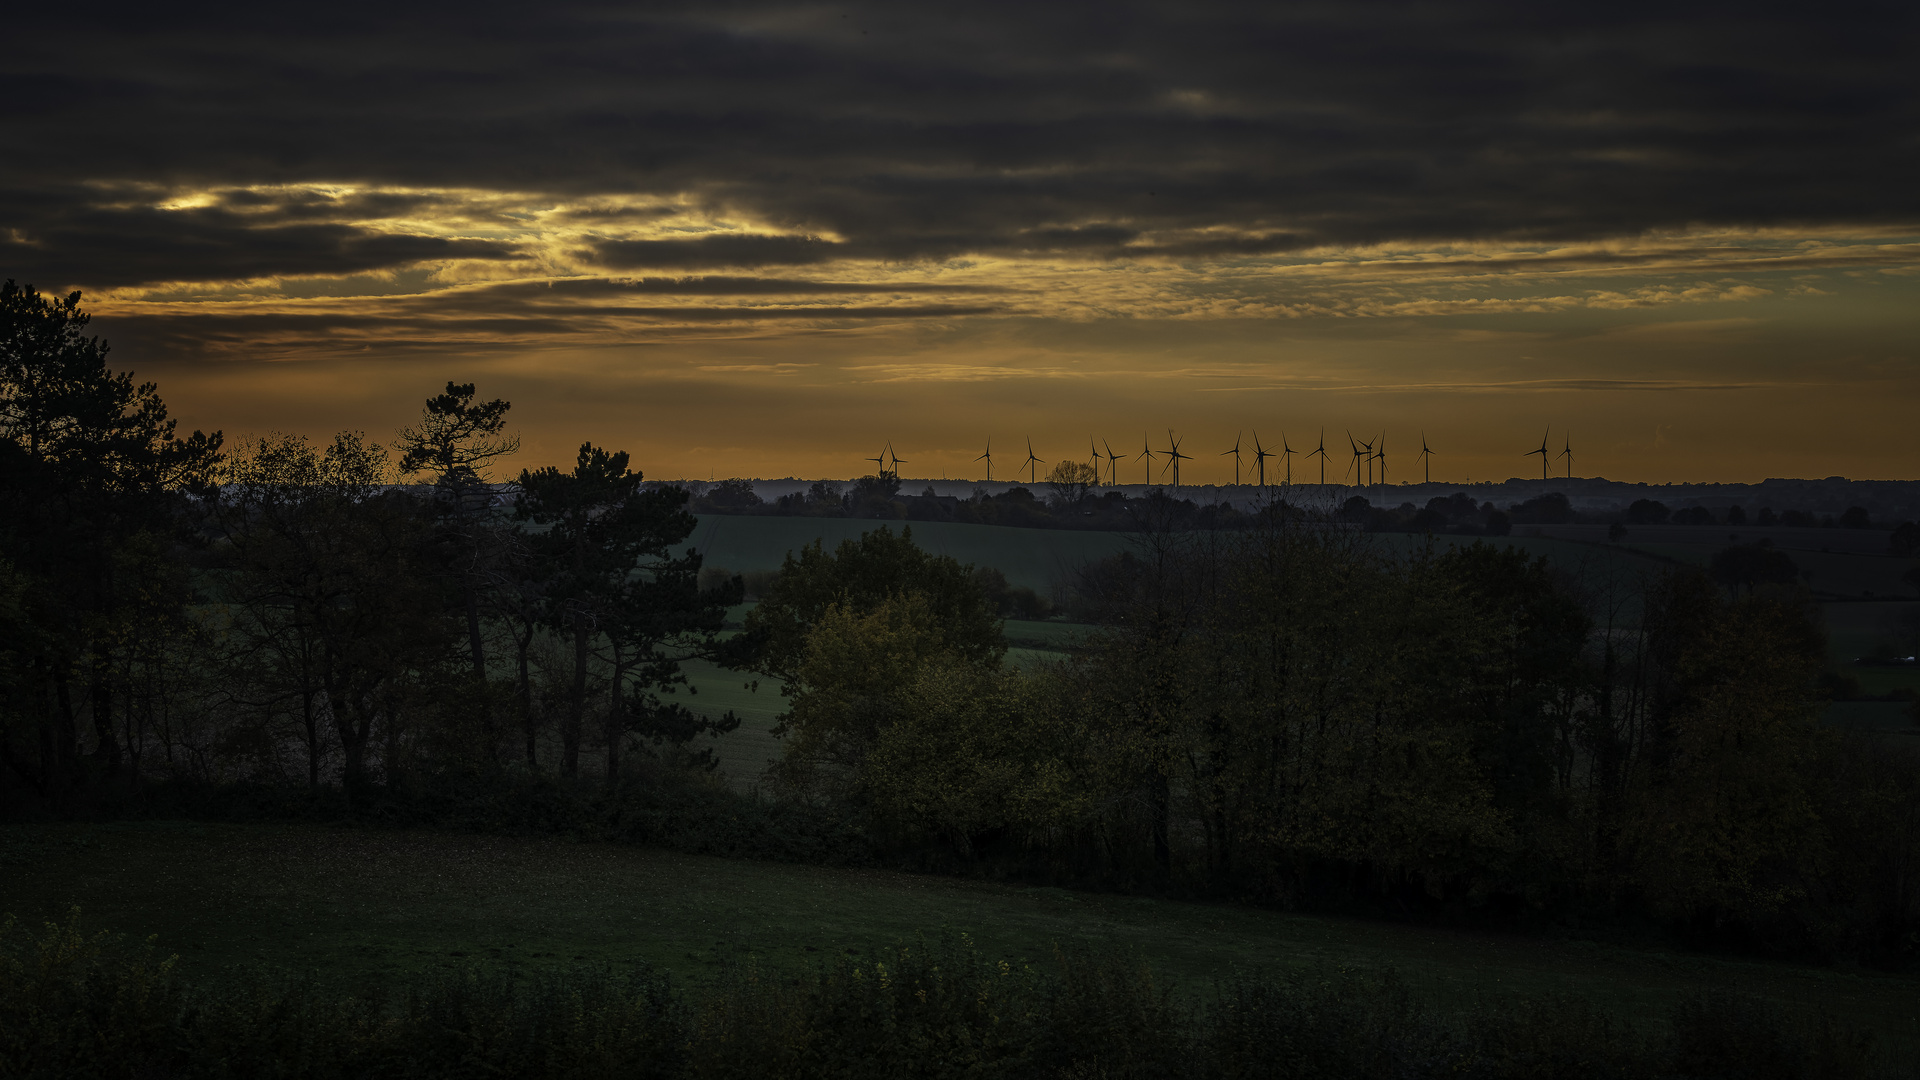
[
  {"x": 104, "y": 246},
  {"x": 465, "y": 321},
  {"x": 725, "y": 250},
  {"x": 596, "y": 288},
  {"x": 1187, "y": 130}
]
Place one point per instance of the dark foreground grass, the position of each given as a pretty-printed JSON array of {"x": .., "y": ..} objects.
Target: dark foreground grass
[
  {"x": 75, "y": 1005},
  {"x": 357, "y": 903}
]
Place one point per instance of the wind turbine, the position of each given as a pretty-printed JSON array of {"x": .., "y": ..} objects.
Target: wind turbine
[
  {"x": 1542, "y": 452},
  {"x": 880, "y": 463},
  {"x": 1321, "y": 453},
  {"x": 1260, "y": 456},
  {"x": 1235, "y": 452},
  {"x": 1426, "y": 457},
  {"x": 1113, "y": 467},
  {"x": 988, "y": 458},
  {"x": 1148, "y": 453},
  {"x": 1095, "y": 451},
  {"x": 1358, "y": 456},
  {"x": 1033, "y": 463},
  {"x": 1174, "y": 458},
  {"x": 897, "y": 461},
  {"x": 1568, "y": 454},
  {"x": 1380, "y": 455},
  {"x": 1287, "y": 452}
]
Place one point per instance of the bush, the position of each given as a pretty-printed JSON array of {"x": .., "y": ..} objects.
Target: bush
[
  {"x": 1905, "y": 541},
  {"x": 1646, "y": 512},
  {"x": 1552, "y": 508}
]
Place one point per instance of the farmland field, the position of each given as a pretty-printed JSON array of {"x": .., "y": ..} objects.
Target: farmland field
[{"x": 353, "y": 903}]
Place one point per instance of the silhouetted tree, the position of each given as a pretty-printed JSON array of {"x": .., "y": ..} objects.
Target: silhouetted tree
[
  {"x": 454, "y": 441},
  {"x": 1751, "y": 565},
  {"x": 90, "y": 467},
  {"x": 341, "y": 578},
  {"x": 602, "y": 529},
  {"x": 858, "y": 577},
  {"x": 1070, "y": 482},
  {"x": 1553, "y": 508},
  {"x": 1646, "y": 512},
  {"x": 1904, "y": 541}
]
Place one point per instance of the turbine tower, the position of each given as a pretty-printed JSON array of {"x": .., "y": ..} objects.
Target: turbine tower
[
  {"x": 1260, "y": 456},
  {"x": 1174, "y": 458},
  {"x": 1321, "y": 453},
  {"x": 1147, "y": 452},
  {"x": 1568, "y": 454},
  {"x": 1380, "y": 455},
  {"x": 1235, "y": 454},
  {"x": 1113, "y": 466},
  {"x": 1033, "y": 463},
  {"x": 1542, "y": 452},
  {"x": 988, "y": 458},
  {"x": 1287, "y": 452},
  {"x": 1426, "y": 457}
]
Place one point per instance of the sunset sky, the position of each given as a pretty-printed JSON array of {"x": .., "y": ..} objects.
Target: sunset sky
[{"x": 764, "y": 239}]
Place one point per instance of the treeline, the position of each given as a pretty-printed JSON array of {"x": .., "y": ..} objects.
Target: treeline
[
  {"x": 74, "y": 1005},
  {"x": 1460, "y": 514},
  {"x": 344, "y": 616},
  {"x": 1296, "y": 715},
  {"x": 1069, "y": 499}
]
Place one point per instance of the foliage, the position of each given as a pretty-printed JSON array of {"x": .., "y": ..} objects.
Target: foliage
[
  {"x": 606, "y": 558},
  {"x": 1007, "y": 600},
  {"x": 94, "y": 486},
  {"x": 859, "y": 577},
  {"x": 976, "y": 751},
  {"x": 334, "y": 585},
  {"x": 1071, "y": 482},
  {"x": 1750, "y": 566}
]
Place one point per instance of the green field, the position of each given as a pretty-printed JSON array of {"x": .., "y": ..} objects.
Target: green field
[{"x": 357, "y": 902}]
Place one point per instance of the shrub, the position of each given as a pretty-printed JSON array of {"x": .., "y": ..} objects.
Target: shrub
[{"x": 1646, "y": 512}]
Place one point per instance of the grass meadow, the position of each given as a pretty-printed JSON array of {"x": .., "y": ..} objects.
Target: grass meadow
[{"x": 352, "y": 904}]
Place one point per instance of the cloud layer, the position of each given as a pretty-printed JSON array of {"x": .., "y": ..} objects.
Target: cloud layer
[
  {"x": 880, "y": 208},
  {"x": 873, "y": 132}
]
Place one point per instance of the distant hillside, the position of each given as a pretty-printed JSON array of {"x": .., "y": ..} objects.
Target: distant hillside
[{"x": 1886, "y": 500}]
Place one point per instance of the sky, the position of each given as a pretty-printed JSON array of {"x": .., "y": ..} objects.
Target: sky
[{"x": 1682, "y": 240}]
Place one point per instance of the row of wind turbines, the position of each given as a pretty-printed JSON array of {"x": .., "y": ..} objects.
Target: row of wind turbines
[{"x": 1366, "y": 458}]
